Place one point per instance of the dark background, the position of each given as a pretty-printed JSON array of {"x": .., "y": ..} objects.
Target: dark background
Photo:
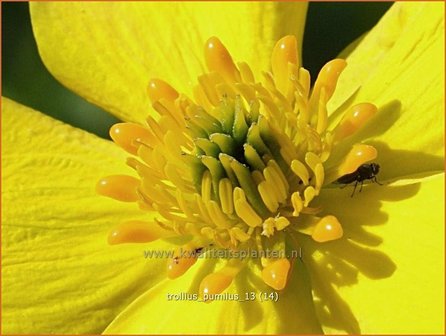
[{"x": 330, "y": 27}]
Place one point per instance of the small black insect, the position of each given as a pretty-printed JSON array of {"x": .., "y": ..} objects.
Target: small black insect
[{"x": 364, "y": 172}]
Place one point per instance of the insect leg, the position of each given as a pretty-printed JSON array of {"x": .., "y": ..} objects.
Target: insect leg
[
  {"x": 362, "y": 183},
  {"x": 354, "y": 188},
  {"x": 376, "y": 181}
]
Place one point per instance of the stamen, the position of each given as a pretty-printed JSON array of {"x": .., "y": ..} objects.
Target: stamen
[
  {"x": 297, "y": 203},
  {"x": 319, "y": 176},
  {"x": 159, "y": 89},
  {"x": 184, "y": 258},
  {"x": 328, "y": 77},
  {"x": 129, "y": 136},
  {"x": 274, "y": 223},
  {"x": 300, "y": 170},
  {"x": 136, "y": 231},
  {"x": 119, "y": 187},
  {"x": 218, "y": 59},
  {"x": 309, "y": 194},
  {"x": 225, "y": 193},
  {"x": 217, "y": 282},
  {"x": 354, "y": 119},
  {"x": 239, "y": 166},
  {"x": 266, "y": 190},
  {"x": 275, "y": 274},
  {"x": 327, "y": 229},
  {"x": 240, "y": 235},
  {"x": 244, "y": 210},
  {"x": 284, "y": 52},
  {"x": 357, "y": 156},
  {"x": 246, "y": 72}
]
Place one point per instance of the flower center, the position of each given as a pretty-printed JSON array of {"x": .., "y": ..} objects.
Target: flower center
[{"x": 238, "y": 167}]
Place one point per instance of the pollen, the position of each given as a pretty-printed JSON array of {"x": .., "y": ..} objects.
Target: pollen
[{"x": 238, "y": 166}]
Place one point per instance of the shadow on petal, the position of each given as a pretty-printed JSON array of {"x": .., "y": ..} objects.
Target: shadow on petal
[
  {"x": 253, "y": 312},
  {"x": 397, "y": 163},
  {"x": 339, "y": 263}
]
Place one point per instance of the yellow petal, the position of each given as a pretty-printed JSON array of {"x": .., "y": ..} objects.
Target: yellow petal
[
  {"x": 399, "y": 66},
  {"x": 386, "y": 276},
  {"x": 107, "y": 52},
  {"x": 168, "y": 308},
  {"x": 59, "y": 275}
]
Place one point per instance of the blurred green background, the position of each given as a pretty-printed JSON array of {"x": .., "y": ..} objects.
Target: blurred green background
[{"x": 330, "y": 27}]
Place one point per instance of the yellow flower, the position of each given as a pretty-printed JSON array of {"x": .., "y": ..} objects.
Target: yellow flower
[{"x": 384, "y": 275}]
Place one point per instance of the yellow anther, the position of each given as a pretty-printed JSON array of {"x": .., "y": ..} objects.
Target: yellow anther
[
  {"x": 246, "y": 72},
  {"x": 239, "y": 234},
  {"x": 312, "y": 160},
  {"x": 354, "y": 119},
  {"x": 219, "y": 60},
  {"x": 206, "y": 186},
  {"x": 282, "y": 223},
  {"x": 217, "y": 282},
  {"x": 159, "y": 89},
  {"x": 268, "y": 227},
  {"x": 327, "y": 229},
  {"x": 247, "y": 213},
  {"x": 322, "y": 114},
  {"x": 357, "y": 156},
  {"x": 225, "y": 193},
  {"x": 119, "y": 187},
  {"x": 309, "y": 194},
  {"x": 219, "y": 219},
  {"x": 239, "y": 194},
  {"x": 284, "y": 52},
  {"x": 279, "y": 174},
  {"x": 214, "y": 283},
  {"x": 244, "y": 210},
  {"x": 202, "y": 208},
  {"x": 297, "y": 203},
  {"x": 328, "y": 77},
  {"x": 277, "y": 186},
  {"x": 266, "y": 191},
  {"x": 184, "y": 258},
  {"x": 127, "y": 136},
  {"x": 275, "y": 274},
  {"x": 300, "y": 170},
  {"x": 184, "y": 206},
  {"x": 208, "y": 232},
  {"x": 319, "y": 175},
  {"x": 304, "y": 81},
  {"x": 136, "y": 231},
  {"x": 274, "y": 223}
]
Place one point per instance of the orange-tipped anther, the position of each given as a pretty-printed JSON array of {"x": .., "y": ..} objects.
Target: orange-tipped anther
[
  {"x": 127, "y": 135},
  {"x": 284, "y": 52},
  {"x": 327, "y": 229},
  {"x": 275, "y": 274},
  {"x": 354, "y": 119},
  {"x": 183, "y": 259},
  {"x": 219, "y": 60},
  {"x": 119, "y": 187},
  {"x": 214, "y": 283},
  {"x": 159, "y": 89},
  {"x": 328, "y": 77},
  {"x": 357, "y": 156},
  {"x": 136, "y": 231}
]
